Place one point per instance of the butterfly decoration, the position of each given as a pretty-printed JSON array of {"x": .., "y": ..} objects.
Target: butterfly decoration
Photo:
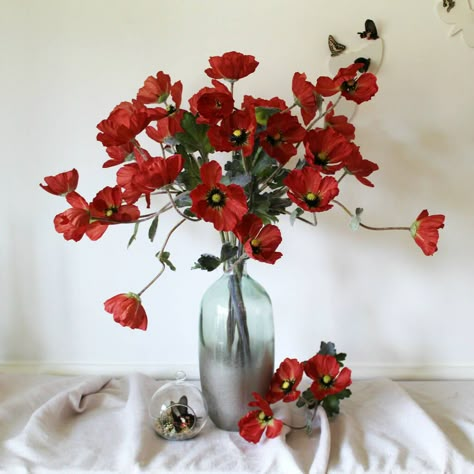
[
  {"x": 182, "y": 418},
  {"x": 449, "y": 4},
  {"x": 369, "y": 53},
  {"x": 334, "y": 47},
  {"x": 462, "y": 17},
  {"x": 370, "y": 31}
]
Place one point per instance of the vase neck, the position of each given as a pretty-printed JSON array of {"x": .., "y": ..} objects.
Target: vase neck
[{"x": 235, "y": 267}]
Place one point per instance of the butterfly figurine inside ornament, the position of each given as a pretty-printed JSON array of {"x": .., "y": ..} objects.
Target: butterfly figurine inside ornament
[
  {"x": 461, "y": 15},
  {"x": 370, "y": 31}
]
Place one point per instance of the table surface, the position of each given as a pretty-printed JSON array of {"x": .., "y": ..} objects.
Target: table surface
[{"x": 76, "y": 424}]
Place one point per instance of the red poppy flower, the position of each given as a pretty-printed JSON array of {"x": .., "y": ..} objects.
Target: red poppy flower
[
  {"x": 355, "y": 89},
  {"x": 260, "y": 242},
  {"x": 119, "y": 154},
  {"x": 425, "y": 231},
  {"x": 361, "y": 89},
  {"x": 158, "y": 89},
  {"x": 107, "y": 204},
  {"x": 282, "y": 132},
  {"x": 214, "y": 202},
  {"x": 236, "y": 132},
  {"x": 306, "y": 97},
  {"x": 308, "y": 190},
  {"x": 124, "y": 123},
  {"x": 74, "y": 222},
  {"x": 147, "y": 176},
  {"x": 127, "y": 310},
  {"x": 339, "y": 123},
  {"x": 359, "y": 167},
  {"x": 62, "y": 183},
  {"x": 256, "y": 422},
  {"x": 231, "y": 66},
  {"x": 212, "y": 103},
  {"x": 285, "y": 381},
  {"x": 326, "y": 150},
  {"x": 328, "y": 380}
]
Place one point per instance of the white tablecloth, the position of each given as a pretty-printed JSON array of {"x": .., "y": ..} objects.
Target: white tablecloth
[{"x": 100, "y": 424}]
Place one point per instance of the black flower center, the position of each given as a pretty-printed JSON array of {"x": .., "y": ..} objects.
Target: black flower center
[
  {"x": 326, "y": 380},
  {"x": 349, "y": 86},
  {"x": 274, "y": 139},
  {"x": 110, "y": 211},
  {"x": 255, "y": 244},
  {"x": 321, "y": 159},
  {"x": 216, "y": 198},
  {"x": 287, "y": 385},
  {"x": 312, "y": 199},
  {"x": 239, "y": 137}
]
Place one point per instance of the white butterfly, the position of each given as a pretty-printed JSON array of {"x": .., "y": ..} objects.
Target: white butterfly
[{"x": 461, "y": 16}]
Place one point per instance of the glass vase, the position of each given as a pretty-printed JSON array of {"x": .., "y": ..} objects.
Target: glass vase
[{"x": 236, "y": 345}]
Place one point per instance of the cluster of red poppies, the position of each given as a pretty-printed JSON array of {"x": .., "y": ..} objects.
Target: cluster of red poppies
[
  {"x": 258, "y": 131},
  {"x": 328, "y": 379}
]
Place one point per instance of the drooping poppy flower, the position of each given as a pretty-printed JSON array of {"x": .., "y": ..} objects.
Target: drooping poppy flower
[
  {"x": 279, "y": 138},
  {"x": 285, "y": 382},
  {"x": 260, "y": 242},
  {"x": 326, "y": 150},
  {"x": 119, "y": 154},
  {"x": 212, "y": 103},
  {"x": 308, "y": 190},
  {"x": 231, "y": 66},
  {"x": 127, "y": 310},
  {"x": 166, "y": 128},
  {"x": 214, "y": 202},
  {"x": 62, "y": 183},
  {"x": 146, "y": 176},
  {"x": 425, "y": 231},
  {"x": 235, "y": 132},
  {"x": 108, "y": 205},
  {"x": 328, "y": 377},
  {"x": 74, "y": 222},
  {"x": 256, "y": 422},
  {"x": 339, "y": 123},
  {"x": 360, "y": 167},
  {"x": 305, "y": 96},
  {"x": 157, "y": 89},
  {"x": 124, "y": 123}
]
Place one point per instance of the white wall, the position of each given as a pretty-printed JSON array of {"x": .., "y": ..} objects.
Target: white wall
[{"x": 67, "y": 63}]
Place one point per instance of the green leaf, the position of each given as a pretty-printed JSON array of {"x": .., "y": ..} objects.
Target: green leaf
[
  {"x": 134, "y": 235},
  {"x": 228, "y": 251},
  {"x": 194, "y": 138},
  {"x": 183, "y": 200},
  {"x": 207, "y": 262},
  {"x": 164, "y": 258},
  {"x": 355, "y": 221},
  {"x": 152, "y": 229},
  {"x": 327, "y": 348},
  {"x": 295, "y": 214},
  {"x": 331, "y": 405},
  {"x": 190, "y": 177}
]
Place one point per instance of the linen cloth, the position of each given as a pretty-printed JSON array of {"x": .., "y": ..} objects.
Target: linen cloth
[{"x": 77, "y": 424}]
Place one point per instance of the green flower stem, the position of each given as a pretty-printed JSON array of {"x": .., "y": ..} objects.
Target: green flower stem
[
  {"x": 179, "y": 212},
  {"x": 367, "y": 226},
  {"x": 343, "y": 175},
  {"x": 319, "y": 117},
  {"x": 314, "y": 223},
  {"x": 170, "y": 233},
  {"x": 265, "y": 183}
]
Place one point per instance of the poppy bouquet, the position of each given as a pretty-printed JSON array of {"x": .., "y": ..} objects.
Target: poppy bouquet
[
  {"x": 329, "y": 382},
  {"x": 281, "y": 159}
]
